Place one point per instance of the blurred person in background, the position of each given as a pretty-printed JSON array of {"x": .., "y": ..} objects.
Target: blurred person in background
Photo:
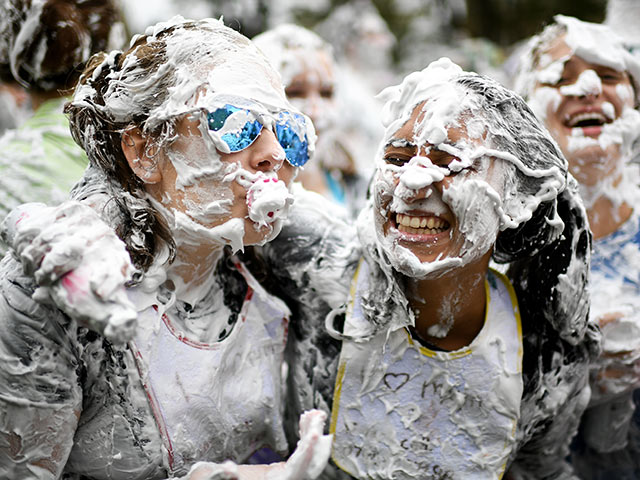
[
  {"x": 43, "y": 47},
  {"x": 581, "y": 80},
  {"x": 312, "y": 83}
]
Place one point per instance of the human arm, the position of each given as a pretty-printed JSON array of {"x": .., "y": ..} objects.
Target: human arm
[
  {"x": 78, "y": 263},
  {"x": 307, "y": 461},
  {"x": 40, "y": 393}
]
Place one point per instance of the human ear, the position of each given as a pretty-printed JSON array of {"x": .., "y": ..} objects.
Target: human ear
[{"x": 141, "y": 155}]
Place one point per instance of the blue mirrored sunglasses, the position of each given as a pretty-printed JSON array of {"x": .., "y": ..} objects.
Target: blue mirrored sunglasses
[{"x": 288, "y": 128}]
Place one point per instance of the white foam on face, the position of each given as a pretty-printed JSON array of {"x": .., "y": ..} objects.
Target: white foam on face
[
  {"x": 544, "y": 99},
  {"x": 588, "y": 83},
  {"x": 617, "y": 141},
  {"x": 268, "y": 200},
  {"x": 474, "y": 197},
  {"x": 596, "y": 43},
  {"x": 549, "y": 70}
]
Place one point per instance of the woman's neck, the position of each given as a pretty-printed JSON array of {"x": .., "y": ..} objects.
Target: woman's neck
[
  {"x": 605, "y": 216},
  {"x": 450, "y": 310},
  {"x": 192, "y": 271}
]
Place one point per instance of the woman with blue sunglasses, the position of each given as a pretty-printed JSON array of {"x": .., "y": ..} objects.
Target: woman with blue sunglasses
[{"x": 193, "y": 146}]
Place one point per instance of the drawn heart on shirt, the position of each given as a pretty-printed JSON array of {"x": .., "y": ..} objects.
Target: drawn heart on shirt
[{"x": 395, "y": 381}]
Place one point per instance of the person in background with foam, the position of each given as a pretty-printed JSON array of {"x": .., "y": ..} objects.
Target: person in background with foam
[
  {"x": 312, "y": 82},
  {"x": 165, "y": 359},
  {"x": 579, "y": 78},
  {"x": 44, "y": 45}
]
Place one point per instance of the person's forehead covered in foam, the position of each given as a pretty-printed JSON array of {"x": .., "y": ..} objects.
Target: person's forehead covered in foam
[
  {"x": 209, "y": 66},
  {"x": 594, "y": 43},
  {"x": 444, "y": 106}
]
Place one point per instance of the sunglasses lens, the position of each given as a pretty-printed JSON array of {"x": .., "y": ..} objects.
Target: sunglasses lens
[
  {"x": 291, "y": 133},
  {"x": 237, "y": 139}
]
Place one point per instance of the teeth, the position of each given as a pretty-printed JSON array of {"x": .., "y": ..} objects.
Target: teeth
[
  {"x": 420, "y": 225},
  {"x": 582, "y": 117}
]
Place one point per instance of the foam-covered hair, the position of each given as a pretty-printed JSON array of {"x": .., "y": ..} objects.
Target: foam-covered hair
[
  {"x": 596, "y": 43},
  {"x": 45, "y": 43},
  {"x": 544, "y": 234},
  {"x": 287, "y": 45}
]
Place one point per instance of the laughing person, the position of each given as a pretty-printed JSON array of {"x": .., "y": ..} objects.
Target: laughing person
[
  {"x": 448, "y": 369},
  {"x": 579, "y": 78}
]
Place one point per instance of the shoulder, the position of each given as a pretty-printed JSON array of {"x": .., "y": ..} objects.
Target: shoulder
[{"x": 317, "y": 247}]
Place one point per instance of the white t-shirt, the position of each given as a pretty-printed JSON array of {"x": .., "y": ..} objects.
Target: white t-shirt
[
  {"x": 221, "y": 396},
  {"x": 404, "y": 411}
]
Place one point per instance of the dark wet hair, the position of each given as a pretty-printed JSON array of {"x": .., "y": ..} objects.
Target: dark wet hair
[
  {"x": 138, "y": 224},
  {"x": 44, "y": 46}
]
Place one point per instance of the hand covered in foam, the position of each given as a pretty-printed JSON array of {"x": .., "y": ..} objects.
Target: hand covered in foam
[
  {"x": 312, "y": 452},
  {"x": 617, "y": 371},
  {"x": 307, "y": 461},
  {"x": 78, "y": 263},
  {"x": 268, "y": 200}
]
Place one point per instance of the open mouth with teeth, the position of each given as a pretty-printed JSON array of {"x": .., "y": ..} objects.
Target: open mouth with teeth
[
  {"x": 421, "y": 225},
  {"x": 590, "y": 122}
]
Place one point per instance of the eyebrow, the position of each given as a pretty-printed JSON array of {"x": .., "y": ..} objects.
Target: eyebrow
[{"x": 400, "y": 143}]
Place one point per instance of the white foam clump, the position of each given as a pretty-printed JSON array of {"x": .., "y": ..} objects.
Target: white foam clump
[
  {"x": 193, "y": 57},
  {"x": 78, "y": 262},
  {"x": 432, "y": 82},
  {"x": 550, "y": 71},
  {"x": 268, "y": 200},
  {"x": 598, "y": 44},
  {"x": 418, "y": 174}
]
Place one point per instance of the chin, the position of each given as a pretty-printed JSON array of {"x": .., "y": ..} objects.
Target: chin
[
  {"x": 264, "y": 235},
  {"x": 417, "y": 266}
]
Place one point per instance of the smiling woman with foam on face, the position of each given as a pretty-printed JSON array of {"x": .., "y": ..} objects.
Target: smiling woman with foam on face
[
  {"x": 193, "y": 147},
  {"x": 463, "y": 172},
  {"x": 581, "y": 80},
  {"x": 442, "y": 367}
]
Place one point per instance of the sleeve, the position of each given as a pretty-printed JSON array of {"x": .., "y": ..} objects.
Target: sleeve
[
  {"x": 40, "y": 393},
  {"x": 556, "y": 395},
  {"x": 310, "y": 266}
]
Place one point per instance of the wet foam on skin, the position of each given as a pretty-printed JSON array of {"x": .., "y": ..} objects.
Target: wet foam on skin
[
  {"x": 481, "y": 211},
  {"x": 598, "y": 45}
]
